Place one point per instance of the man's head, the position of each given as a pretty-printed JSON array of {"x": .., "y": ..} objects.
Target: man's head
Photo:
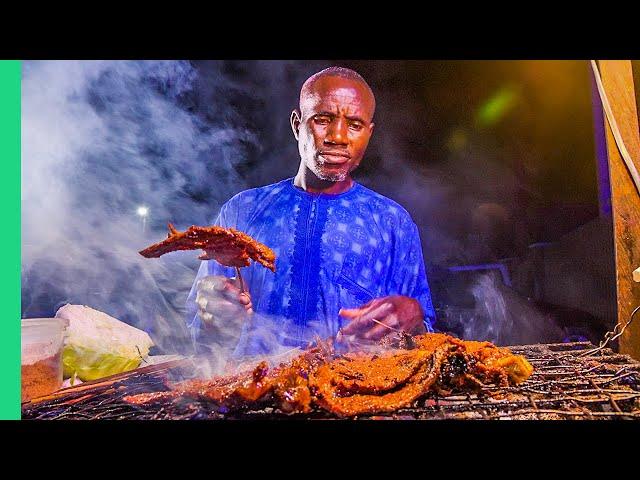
[{"x": 334, "y": 122}]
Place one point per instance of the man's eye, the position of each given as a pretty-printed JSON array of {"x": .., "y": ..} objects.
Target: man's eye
[
  {"x": 356, "y": 126},
  {"x": 322, "y": 120}
]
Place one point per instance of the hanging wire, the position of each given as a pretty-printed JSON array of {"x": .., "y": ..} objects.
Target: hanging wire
[{"x": 612, "y": 335}]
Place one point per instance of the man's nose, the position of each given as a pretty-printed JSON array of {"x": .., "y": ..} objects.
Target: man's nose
[{"x": 337, "y": 132}]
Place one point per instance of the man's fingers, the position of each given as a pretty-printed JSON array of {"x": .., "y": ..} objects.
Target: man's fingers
[
  {"x": 392, "y": 320},
  {"x": 350, "y": 312},
  {"x": 364, "y": 322},
  {"x": 221, "y": 297},
  {"x": 382, "y": 328},
  {"x": 244, "y": 298},
  {"x": 223, "y": 308},
  {"x": 379, "y": 312},
  {"x": 245, "y": 301},
  {"x": 217, "y": 283},
  {"x": 230, "y": 285},
  {"x": 356, "y": 325},
  {"x": 356, "y": 312},
  {"x": 201, "y": 300},
  {"x": 212, "y": 283},
  {"x": 351, "y": 329},
  {"x": 232, "y": 293},
  {"x": 206, "y": 317},
  {"x": 376, "y": 333}
]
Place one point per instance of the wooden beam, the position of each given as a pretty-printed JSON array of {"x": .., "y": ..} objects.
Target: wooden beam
[{"x": 617, "y": 80}]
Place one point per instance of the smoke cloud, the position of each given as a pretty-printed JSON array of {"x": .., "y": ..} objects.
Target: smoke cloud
[{"x": 102, "y": 138}]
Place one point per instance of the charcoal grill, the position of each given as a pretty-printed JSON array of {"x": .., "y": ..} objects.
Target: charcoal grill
[{"x": 570, "y": 381}]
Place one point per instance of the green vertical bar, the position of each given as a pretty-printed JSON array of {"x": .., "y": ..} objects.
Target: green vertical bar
[{"x": 10, "y": 239}]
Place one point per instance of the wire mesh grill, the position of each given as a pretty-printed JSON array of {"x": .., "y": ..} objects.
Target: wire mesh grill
[{"x": 567, "y": 383}]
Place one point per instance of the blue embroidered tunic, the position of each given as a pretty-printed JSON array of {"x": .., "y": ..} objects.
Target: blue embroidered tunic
[{"x": 332, "y": 252}]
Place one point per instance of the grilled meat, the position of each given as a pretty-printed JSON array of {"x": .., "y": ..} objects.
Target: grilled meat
[
  {"x": 359, "y": 382},
  {"x": 228, "y": 246},
  {"x": 359, "y": 386},
  {"x": 285, "y": 386}
]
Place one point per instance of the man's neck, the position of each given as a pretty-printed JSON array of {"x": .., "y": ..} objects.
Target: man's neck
[{"x": 309, "y": 182}]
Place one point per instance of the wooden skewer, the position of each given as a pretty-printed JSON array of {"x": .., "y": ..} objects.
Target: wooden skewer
[
  {"x": 385, "y": 325},
  {"x": 239, "y": 275},
  {"x": 339, "y": 335},
  {"x": 404, "y": 334}
]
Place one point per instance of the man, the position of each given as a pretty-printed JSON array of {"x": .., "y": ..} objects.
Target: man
[{"x": 348, "y": 260}]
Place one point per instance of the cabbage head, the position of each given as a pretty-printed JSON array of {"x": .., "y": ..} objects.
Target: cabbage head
[{"x": 98, "y": 345}]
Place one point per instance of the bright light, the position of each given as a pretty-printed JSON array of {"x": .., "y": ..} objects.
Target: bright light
[{"x": 143, "y": 211}]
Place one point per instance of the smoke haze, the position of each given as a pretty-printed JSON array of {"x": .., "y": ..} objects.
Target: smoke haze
[{"x": 102, "y": 138}]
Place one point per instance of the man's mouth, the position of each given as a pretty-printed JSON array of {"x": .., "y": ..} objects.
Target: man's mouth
[{"x": 335, "y": 158}]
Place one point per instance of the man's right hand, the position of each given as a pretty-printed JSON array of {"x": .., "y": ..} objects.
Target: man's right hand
[{"x": 221, "y": 304}]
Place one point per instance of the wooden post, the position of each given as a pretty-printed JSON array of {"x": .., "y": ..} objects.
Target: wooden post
[{"x": 617, "y": 80}]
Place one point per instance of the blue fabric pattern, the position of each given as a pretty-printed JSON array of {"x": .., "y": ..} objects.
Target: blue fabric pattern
[{"x": 332, "y": 252}]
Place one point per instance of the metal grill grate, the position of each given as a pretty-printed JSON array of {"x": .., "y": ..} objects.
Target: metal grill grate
[{"x": 568, "y": 383}]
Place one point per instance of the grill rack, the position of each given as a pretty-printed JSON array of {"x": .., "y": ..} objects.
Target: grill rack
[{"x": 567, "y": 383}]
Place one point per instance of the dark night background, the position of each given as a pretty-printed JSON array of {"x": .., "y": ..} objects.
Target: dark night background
[{"x": 495, "y": 161}]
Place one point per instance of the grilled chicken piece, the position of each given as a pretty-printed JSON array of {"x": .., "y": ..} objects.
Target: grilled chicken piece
[{"x": 228, "y": 246}]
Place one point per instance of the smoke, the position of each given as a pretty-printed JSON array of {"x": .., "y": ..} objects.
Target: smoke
[
  {"x": 505, "y": 318},
  {"x": 464, "y": 218},
  {"x": 255, "y": 338},
  {"x": 470, "y": 200},
  {"x": 101, "y": 139},
  {"x": 466, "y": 205}
]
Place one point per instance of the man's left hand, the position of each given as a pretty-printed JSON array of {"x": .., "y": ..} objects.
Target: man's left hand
[{"x": 395, "y": 312}]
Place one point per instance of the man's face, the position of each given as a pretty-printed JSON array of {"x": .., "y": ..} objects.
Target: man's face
[{"x": 334, "y": 127}]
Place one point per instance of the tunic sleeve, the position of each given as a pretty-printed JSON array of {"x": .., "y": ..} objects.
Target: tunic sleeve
[{"x": 409, "y": 276}]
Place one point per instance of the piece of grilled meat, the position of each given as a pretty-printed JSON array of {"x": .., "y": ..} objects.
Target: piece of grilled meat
[{"x": 228, "y": 246}]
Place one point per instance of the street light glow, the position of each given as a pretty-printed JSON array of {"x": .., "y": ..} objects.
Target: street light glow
[{"x": 143, "y": 211}]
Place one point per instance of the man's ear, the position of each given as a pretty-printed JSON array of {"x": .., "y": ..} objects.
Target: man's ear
[
  {"x": 295, "y": 122},
  {"x": 371, "y": 125}
]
